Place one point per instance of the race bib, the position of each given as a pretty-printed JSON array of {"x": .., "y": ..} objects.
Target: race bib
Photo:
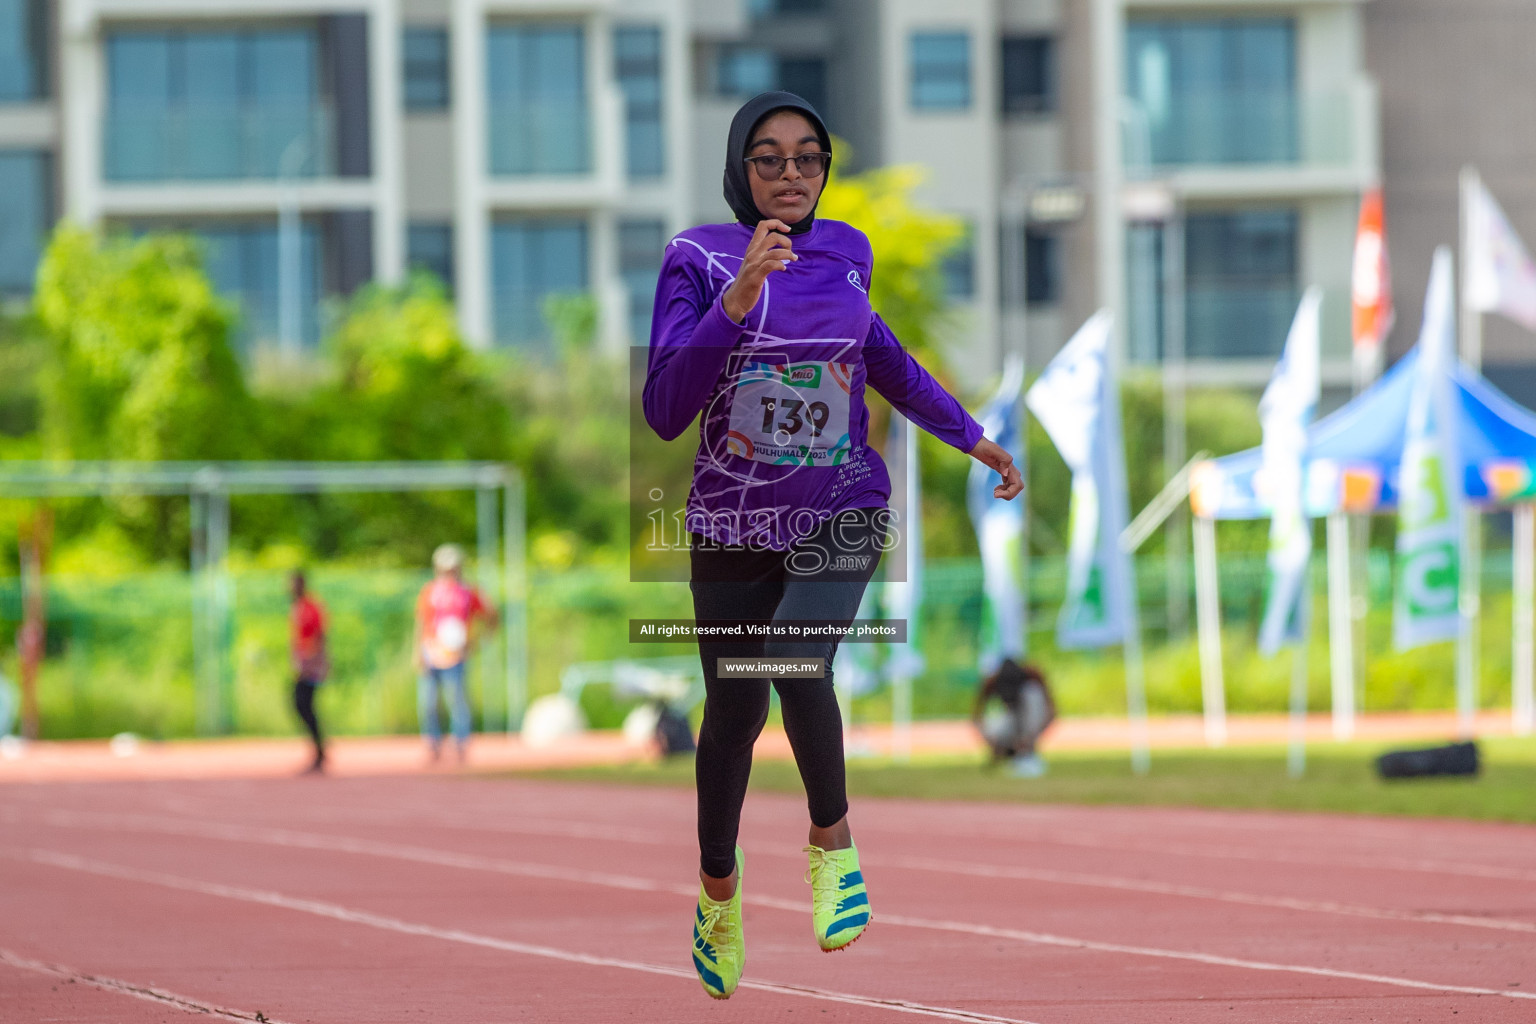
[
  {"x": 791, "y": 413},
  {"x": 452, "y": 634}
]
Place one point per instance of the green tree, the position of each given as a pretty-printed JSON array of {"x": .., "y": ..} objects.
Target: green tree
[
  {"x": 569, "y": 436},
  {"x": 406, "y": 386},
  {"x": 139, "y": 362},
  {"x": 22, "y": 354},
  {"x": 137, "y": 365},
  {"x": 396, "y": 382},
  {"x": 909, "y": 243}
]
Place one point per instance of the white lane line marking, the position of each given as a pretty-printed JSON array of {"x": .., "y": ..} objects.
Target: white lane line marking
[
  {"x": 1075, "y": 840},
  {"x": 1043, "y": 939},
  {"x": 279, "y": 837},
  {"x": 367, "y": 847},
  {"x": 1030, "y": 834},
  {"x": 1214, "y": 852},
  {"x": 127, "y": 988},
  {"x": 316, "y": 841},
  {"x": 339, "y": 913},
  {"x": 1202, "y": 893}
]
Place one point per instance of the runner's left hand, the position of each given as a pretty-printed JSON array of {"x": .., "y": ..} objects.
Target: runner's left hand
[{"x": 990, "y": 453}]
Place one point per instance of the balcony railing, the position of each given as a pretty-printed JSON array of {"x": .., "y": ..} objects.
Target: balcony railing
[
  {"x": 219, "y": 144},
  {"x": 1248, "y": 129}
]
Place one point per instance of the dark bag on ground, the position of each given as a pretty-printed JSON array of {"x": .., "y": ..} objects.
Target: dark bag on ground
[
  {"x": 672, "y": 732},
  {"x": 1453, "y": 759}
]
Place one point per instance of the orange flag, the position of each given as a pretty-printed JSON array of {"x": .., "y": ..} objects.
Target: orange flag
[{"x": 1371, "y": 288}]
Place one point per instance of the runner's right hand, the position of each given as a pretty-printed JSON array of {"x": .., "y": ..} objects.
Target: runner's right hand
[{"x": 768, "y": 251}]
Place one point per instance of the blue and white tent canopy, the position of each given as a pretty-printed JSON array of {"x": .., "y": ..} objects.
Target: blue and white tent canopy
[{"x": 1353, "y": 453}]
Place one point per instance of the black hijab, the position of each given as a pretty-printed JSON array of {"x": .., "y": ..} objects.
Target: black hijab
[{"x": 738, "y": 192}]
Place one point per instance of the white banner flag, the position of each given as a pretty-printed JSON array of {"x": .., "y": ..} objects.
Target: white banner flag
[
  {"x": 999, "y": 528},
  {"x": 1077, "y": 401},
  {"x": 1285, "y": 412},
  {"x": 1500, "y": 274},
  {"x": 1430, "y": 484}
]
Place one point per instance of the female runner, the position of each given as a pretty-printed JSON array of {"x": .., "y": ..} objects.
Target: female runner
[{"x": 787, "y": 512}]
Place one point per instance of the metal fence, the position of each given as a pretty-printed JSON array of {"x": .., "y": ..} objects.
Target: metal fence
[{"x": 120, "y": 650}]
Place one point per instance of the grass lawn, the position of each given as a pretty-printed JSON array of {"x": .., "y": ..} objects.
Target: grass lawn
[{"x": 1339, "y": 777}]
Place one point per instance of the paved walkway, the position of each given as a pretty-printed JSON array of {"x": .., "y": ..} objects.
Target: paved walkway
[{"x": 79, "y": 760}]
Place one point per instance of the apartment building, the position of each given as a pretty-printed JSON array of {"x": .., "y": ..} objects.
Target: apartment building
[
  {"x": 518, "y": 149},
  {"x": 1193, "y": 164}
]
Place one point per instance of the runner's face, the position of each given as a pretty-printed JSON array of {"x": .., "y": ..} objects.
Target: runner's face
[{"x": 792, "y": 196}]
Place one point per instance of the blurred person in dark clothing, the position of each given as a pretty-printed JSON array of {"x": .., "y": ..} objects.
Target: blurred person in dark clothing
[
  {"x": 1013, "y": 710},
  {"x": 311, "y": 666}
]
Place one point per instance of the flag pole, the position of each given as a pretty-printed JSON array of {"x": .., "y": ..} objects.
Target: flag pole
[
  {"x": 1136, "y": 686},
  {"x": 1470, "y": 323},
  {"x": 1208, "y": 631},
  {"x": 1524, "y": 696},
  {"x": 1130, "y": 604},
  {"x": 1296, "y": 761},
  {"x": 1340, "y": 626}
]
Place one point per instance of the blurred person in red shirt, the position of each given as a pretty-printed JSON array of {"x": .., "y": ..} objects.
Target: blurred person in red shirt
[
  {"x": 310, "y": 663},
  {"x": 446, "y": 613}
]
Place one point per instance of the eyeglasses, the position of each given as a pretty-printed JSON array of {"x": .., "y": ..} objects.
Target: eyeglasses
[{"x": 770, "y": 167}]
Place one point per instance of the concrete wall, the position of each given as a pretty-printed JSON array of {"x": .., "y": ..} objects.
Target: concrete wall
[{"x": 1457, "y": 86}]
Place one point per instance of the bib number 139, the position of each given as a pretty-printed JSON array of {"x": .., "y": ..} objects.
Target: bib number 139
[
  {"x": 791, "y": 409},
  {"x": 791, "y": 413}
]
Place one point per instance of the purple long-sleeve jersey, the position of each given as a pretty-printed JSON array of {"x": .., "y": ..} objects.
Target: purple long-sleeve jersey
[{"x": 783, "y": 443}]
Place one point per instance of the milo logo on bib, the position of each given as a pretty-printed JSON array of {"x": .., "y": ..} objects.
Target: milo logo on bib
[{"x": 791, "y": 413}]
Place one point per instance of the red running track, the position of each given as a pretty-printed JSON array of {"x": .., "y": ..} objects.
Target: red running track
[{"x": 429, "y": 899}]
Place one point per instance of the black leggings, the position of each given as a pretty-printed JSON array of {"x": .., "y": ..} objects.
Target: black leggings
[
  {"x": 810, "y": 581},
  {"x": 304, "y": 704}
]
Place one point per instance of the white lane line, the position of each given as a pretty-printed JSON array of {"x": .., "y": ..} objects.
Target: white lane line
[
  {"x": 1043, "y": 939},
  {"x": 278, "y": 837},
  {"x": 1075, "y": 840},
  {"x": 336, "y": 912},
  {"x": 1217, "y": 852},
  {"x": 368, "y": 847},
  {"x": 1202, "y": 893},
  {"x": 316, "y": 841},
  {"x": 154, "y": 995}
]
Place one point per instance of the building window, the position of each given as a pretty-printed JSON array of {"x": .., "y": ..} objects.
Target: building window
[
  {"x": 536, "y": 76},
  {"x": 1211, "y": 91},
  {"x": 1240, "y": 282},
  {"x": 763, "y": 8},
  {"x": 1029, "y": 75},
  {"x": 746, "y": 71},
  {"x": 425, "y": 53},
  {"x": 941, "y": 71},
  {"x": 959, "y": 267},
  {"x": 637, "y": 66},
  {"x": 215, "y": 105},
  {"x": 429, "y": 247},
  {"x": 806, "y": 77},
  {"x": 26, "y": 216},
  {"x": 533, "y": 261},
  {"x": 1042, "y": 267},
  {"x": 641, "y": 246},
  {"x": 23, "y": 49}
]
